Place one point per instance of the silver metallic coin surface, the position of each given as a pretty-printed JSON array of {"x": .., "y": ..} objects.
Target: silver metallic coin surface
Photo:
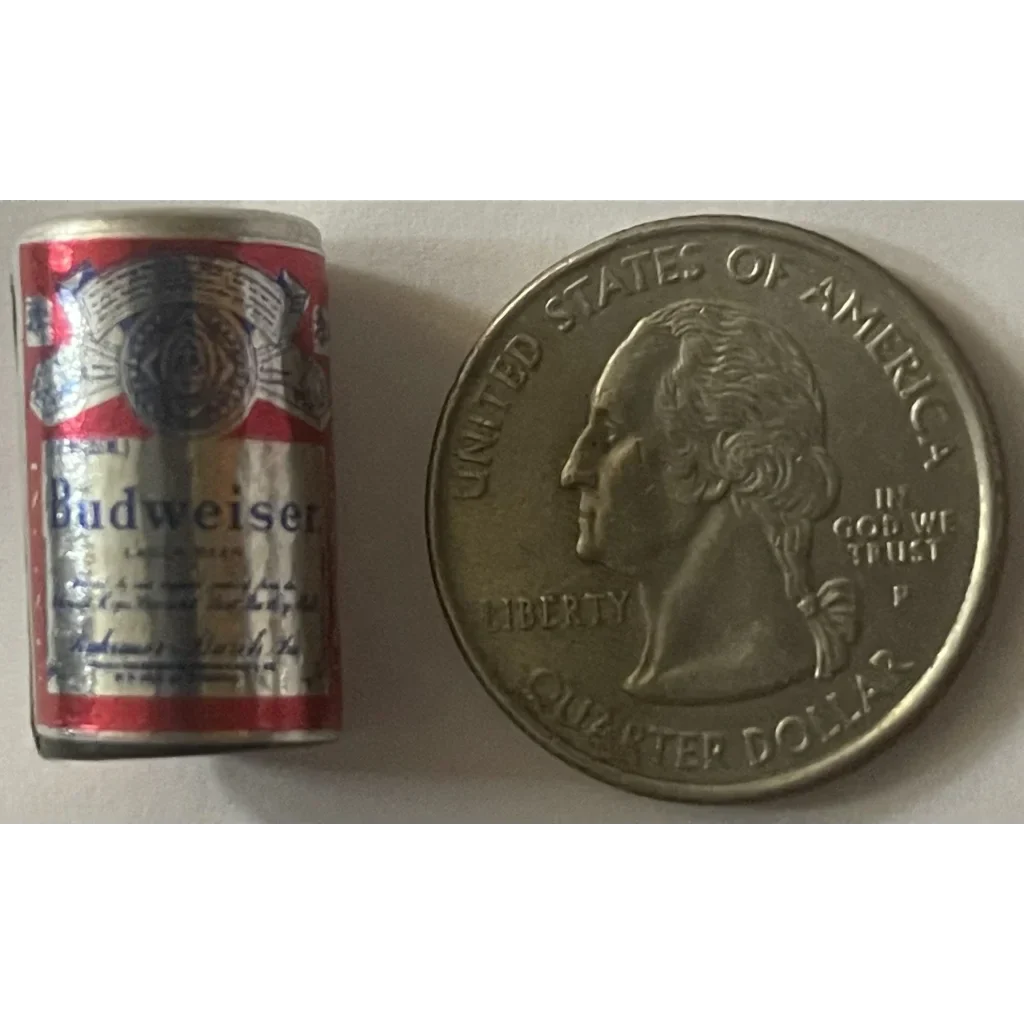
[{"x": 714, "y": 508}]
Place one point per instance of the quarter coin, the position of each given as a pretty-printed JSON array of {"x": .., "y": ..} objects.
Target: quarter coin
[{"x": 714, "y": 508}]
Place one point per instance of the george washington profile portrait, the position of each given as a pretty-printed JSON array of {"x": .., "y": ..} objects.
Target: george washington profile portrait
[{"x": 701, "y": 471}]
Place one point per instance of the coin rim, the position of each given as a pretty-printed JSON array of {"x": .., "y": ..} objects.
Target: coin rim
[{"x": 978, "y": 595}]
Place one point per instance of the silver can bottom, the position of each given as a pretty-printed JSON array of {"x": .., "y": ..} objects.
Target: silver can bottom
[{"x": 71, "y": 745}]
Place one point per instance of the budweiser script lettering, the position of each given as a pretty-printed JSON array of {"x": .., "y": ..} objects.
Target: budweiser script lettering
[
  {"x": 68, "y": 507},
  {"x": 195, "y": 566}
]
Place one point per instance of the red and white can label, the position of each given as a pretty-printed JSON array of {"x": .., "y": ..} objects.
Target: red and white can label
[{"x": 180, "y": 489}]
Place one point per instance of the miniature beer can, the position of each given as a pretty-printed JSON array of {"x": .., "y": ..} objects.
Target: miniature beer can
[{"x": 180, "y": 496}]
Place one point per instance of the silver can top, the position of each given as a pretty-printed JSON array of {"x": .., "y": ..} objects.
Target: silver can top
[{"x": 210, "y": 222}]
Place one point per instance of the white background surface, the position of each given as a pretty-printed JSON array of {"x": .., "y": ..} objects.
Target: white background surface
[{"x": 412, "y": 286}]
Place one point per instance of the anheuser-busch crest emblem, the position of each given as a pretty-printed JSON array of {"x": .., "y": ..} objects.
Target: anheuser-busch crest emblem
[{"x": 191, "y": 341}]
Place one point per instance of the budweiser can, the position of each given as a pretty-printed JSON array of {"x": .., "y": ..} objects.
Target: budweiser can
[{"x": 180, "y": 490}]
